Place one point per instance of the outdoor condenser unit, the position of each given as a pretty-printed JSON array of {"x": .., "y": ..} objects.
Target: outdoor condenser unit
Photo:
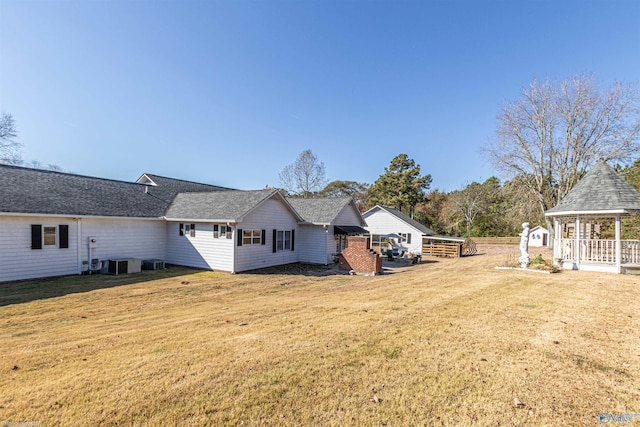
[
  {"x": 124, "y": 266},
  {"x": 152, "y": 264}
]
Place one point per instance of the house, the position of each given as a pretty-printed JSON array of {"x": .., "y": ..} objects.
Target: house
[
  {"x": 601, "y": 197},
  {"x": 386, "y": 223},
  {"x": 539, "y": 237},
  {"x": 328, "y": 220},
  {"x": 54, "y": 223}
]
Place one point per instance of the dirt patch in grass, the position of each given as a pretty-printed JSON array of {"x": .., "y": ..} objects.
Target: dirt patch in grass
[{"x": 452, "y": 342}]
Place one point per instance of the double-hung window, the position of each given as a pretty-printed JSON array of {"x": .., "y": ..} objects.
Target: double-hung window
[
  {"x": 49, "y": 235},
  {"x": 283, "y": 240},
  {"x": 221, "y": 231},
  {"x": 188, "y": 230},
  {"x": 405, "y": 238},
  {"x": 52, "y": 236}
]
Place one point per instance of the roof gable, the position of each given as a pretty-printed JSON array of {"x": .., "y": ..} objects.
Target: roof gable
[
  {"x": 222, "y": 206},
  {"x": 401, "y": 216},
  {"x": 601, "y": 190},
  {"x": 323, "y": 211}
]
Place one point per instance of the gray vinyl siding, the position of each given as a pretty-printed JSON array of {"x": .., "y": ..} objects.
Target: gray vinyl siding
[
  {"x": 124, "y": 238},
  {"x": 270, "y": 215},
  {"x": 201, "y": 251},
  {"x": 318, "y": 244},
  {"x": 115, "y": 239},
  {"x": 312, "y": 244}
]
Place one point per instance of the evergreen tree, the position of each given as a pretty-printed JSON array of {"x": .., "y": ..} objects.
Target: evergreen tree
[{"x": 401, "y": 186}]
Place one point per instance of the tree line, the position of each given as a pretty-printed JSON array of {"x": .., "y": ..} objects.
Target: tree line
[{"x": 545, "y": 141}]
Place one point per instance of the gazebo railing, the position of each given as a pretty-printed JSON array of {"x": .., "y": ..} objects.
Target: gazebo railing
[
  {"x": 630, "y": 251},
  {"x": 600, "y": 250}
]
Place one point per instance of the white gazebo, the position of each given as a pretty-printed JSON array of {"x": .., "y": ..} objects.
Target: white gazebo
[{"x": 602, "y": 197}]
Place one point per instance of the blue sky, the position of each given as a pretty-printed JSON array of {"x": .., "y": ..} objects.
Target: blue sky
[{"x": 230, "y": 92}]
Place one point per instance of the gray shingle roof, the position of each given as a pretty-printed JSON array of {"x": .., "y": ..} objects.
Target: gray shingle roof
[
  {"x": 24, "y": 190},
  {"x": 600, "y": 190},
  {"x": 180, "y": 185},
  {"x": 223, "y": 206},
  {"x": 321, "y": 210},
  {"x": 403, "y": 217}
]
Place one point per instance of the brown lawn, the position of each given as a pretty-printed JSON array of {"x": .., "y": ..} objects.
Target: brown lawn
[{"x": 448, "y": 342}]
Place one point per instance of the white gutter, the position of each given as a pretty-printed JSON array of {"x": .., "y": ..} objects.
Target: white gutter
[
  {"x": 73, "y": 216},
  {"x": 219, "y": 220},
  {"x": 571, "y": 213}
]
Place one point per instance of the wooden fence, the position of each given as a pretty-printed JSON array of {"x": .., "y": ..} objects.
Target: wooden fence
[{"x": 497, "y": 240}]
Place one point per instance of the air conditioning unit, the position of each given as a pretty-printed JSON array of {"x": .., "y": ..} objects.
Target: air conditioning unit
[
  {"x": 124, "y": 266},
  {"x": 152, "y": 264}
]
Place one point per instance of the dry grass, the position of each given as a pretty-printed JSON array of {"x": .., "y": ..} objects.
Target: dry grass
[{"x": 450, "y": 342}]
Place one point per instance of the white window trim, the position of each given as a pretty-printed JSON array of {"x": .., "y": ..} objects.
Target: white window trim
[
  {"x": 56, "y": 236},
  {"x": 283, "y": 240},
  {"x": 254, "y": 237}
]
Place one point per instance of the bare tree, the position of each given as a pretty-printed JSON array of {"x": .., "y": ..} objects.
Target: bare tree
[
  {"x": 9, "y": 147},
  {"x": 304, "y": 177},
  {"x": 468, "y": 203},
  {"x": 553, "y": 133}
]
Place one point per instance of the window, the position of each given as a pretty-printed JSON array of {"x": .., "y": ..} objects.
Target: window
[
  {"x": 222, "y": 232},
  {"x": 251, "y": 237},
  {"x": 188, "y": 230},
  {"x": 283, "y": 240},
  {"x": 49, "y": 236},
  {"x": 377, "y": 241},
  {"x": 405, "y": 238}
]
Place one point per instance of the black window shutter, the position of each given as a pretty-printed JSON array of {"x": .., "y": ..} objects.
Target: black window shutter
[
  {"x": 193, "y": 230},
  {"x": 409, "y": 238},
  {"x": 239, "y": 231},
  {"x": 274, "y": 246},
  {"x": 293, "y": 238},
  {"x": 264, "y": 237},
  {"x": 36, "y": 236},
  {"x": 181, "y": 229},
  {"x": 64, "y": 236}
]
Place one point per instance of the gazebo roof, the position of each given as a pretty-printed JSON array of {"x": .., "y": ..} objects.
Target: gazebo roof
[{"x": 601, "y": 191}]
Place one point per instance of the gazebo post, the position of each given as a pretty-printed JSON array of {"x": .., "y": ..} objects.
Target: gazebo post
[
  {"x": 618, "y": 246},
  {"x": 577, "y": 244},
  {"x": 557, "y": 237}
]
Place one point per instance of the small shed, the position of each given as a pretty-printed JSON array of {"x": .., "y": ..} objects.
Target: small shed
[
  {"x": 539, "y": 237},
  {"x": 445, "y": 246}
]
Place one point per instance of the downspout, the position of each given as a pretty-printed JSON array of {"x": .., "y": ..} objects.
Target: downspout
[
  {"x": 234, "y": 245},
  {"x": 618, "y": 246},
  {"x": 326, "y": 245},
  {"x": 79, "y": 244},
  {"x": 577, "y": 247}
]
